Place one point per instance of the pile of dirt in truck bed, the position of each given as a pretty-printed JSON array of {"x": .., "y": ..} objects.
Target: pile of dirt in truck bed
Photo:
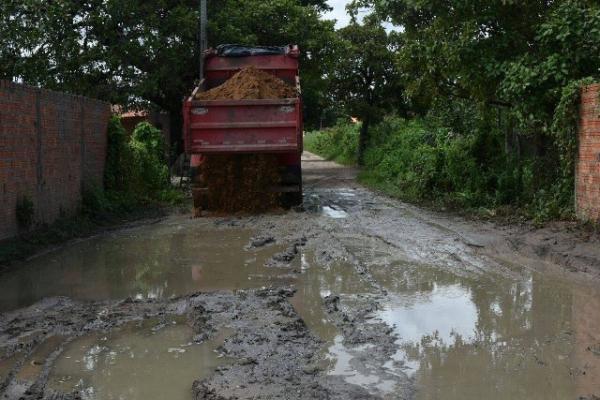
[
  {"x": 250, "y": 83},
  {"x": 242, "y": 182}
]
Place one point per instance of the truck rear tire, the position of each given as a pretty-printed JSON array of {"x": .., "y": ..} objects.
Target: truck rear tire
[
  {"x": 293, "y": 178},
  {"x": 291, "y": 199}
]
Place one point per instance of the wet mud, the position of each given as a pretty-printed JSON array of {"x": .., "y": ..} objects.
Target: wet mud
[
  {"x": 356, "y": 297},
  {"x": 268, "y": 351}
]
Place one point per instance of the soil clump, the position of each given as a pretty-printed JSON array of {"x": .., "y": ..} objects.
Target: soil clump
[{"x": 250, "y": 83}]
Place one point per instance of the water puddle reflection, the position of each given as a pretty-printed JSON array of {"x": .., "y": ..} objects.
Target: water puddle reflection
[
  {"x": 175, "y": 257},
  {"x": 138, "y": 361},
  {"x": 443, "y": 314},
  {"x": 334, "y": 212},
  {"x": 317, "y": 282},
  {"x": 490, "y": 337}
]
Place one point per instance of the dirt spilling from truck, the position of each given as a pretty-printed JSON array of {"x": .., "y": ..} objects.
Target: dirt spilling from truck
[
  {"x": 241, "y": 182},
  {"x": 250, "y": 83}
]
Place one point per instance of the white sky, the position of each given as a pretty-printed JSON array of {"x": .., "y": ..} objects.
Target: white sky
[{"x": 338, "y": 13}]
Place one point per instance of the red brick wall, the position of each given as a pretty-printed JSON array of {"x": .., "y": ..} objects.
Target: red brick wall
[
  {"x": 50, "y": 145},
  {"x": 588, "y": 165}
]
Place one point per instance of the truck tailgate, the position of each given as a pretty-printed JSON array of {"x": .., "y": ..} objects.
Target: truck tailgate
[{"x": 240, "y": 126}]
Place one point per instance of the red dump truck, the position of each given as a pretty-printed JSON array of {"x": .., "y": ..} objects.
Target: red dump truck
[{"x": 268, "y": 126}]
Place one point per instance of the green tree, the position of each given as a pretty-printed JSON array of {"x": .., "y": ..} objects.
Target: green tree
[
  {"x": 279, "y": 22},
  {"x": 145, "y": 52},
  {"x": 365, "y": 81},
  {"x": 513, "y": 64},
  {"x": 512, "y": 54}
]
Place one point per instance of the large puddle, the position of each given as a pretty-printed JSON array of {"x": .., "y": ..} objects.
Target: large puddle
[
  {"x": 481, "y": 336},
  {"x": 139, "y": 361},
  {"x": 175, "y": 257},
  {"x": 493, "y": 338}
]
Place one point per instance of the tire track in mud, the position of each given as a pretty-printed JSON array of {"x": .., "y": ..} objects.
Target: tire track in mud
[
  {"x": 272, "y": 352},
  {"x": 368, "y": 341},
  {"x": 363, "y": 234},
  {"x": 420, "y": 239}
]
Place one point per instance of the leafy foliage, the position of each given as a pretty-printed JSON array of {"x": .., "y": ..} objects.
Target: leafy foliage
[
  {"x": 146, "y": 136},
  {"x": 365, "y": 80},
  {"x": 422, "y": 160},
  {"x": 558, "y": 199},
  {"x": 418, "y": 160},
  {"x": 25, "y": 212},
  {"x": 339, "y": 143},
  {"x": 145, "y": 52},
  {"x": 136, "y": 171},
  {"x": 151, "y": 174},
  {"x": 511, "y": 66},
  {"x": 119, "y": 160}
]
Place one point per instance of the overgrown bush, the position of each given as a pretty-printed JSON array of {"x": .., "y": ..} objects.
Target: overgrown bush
[
  {"x": 425, "y": 160},
  {"x": 136, "y": 171},
  {"x": 119, "y": 158},
  {"x": 151, "y": 175},
  {"x": 420, "y": 161},
  {"x": 94, "y": 200},
  {"x": 151, "y": 139},
  {"x": 339, "y": 143},
  {"x": 25, "y": 211}
]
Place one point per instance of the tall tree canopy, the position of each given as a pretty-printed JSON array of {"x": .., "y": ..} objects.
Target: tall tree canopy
[
  {"x": 146, "y": 51},
  {"x": 517, "y": 54},
  {"x": 502, "y": 67},
  {"x": 365, "y": 80}
]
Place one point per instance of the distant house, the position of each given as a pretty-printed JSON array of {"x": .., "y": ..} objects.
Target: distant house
[{"x": 160, "y": 120}]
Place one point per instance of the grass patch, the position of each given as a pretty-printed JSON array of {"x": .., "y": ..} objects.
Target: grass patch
[{"x": 338, "y": 144}]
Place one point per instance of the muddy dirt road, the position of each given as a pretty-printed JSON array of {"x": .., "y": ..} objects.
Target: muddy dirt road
[{"x": 356, "y": 297}]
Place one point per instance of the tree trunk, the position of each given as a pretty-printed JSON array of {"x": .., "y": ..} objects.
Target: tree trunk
[
  {"x": 176, "y": 122},
  {"x": 512, "y": 146},
  {"x": 363, "y": 141}
]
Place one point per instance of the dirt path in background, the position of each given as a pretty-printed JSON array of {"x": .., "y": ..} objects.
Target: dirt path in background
[
  {"x": 558, "y": 245},
  {"x": 357, "y": 296}
]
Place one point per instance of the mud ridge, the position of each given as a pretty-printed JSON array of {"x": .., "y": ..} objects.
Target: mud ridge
[
  {"x": 371, "y": 341},
  {"x": 273, "y": 352}
]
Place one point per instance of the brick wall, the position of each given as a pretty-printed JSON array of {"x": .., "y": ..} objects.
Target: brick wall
[
  {"x": 588, "y": 164},
  {"x": 50, "y": 145}
]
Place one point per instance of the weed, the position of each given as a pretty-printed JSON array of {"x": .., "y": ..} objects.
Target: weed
[{"x": 25, "y": 212}]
